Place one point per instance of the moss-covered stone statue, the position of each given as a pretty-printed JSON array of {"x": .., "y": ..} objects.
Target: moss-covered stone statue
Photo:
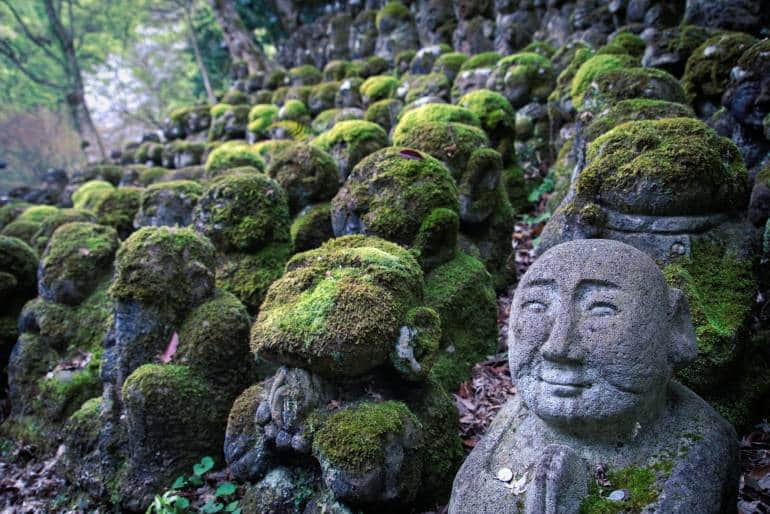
[
  {"x": 354, "y": 404},
  {"x": 675, "y": 189},
  {"x": 245, "y": 214},
  {"x": 175, "y": 359},
  {"x": 598, "y": 424}
]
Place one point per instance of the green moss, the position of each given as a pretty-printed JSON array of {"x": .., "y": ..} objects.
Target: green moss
[
  {"x": 243, "y": 212},
  {"x": 640, "y": 484},
  {"x": 20, "y": 229},
  {"x": 312, "y": 227},
  {"x": 38, "y": 213},
  {"x": 89, "y": 194},
  {"x": 150, "y": 153},
  {"x": 620, "y": 84},
  {"x": 540, "y": 47},
  {"x": 384, "y": 112},
  {"x": 449, "y": 64},
  {"x": 352, "y": 133},
  {"x": 354, "y": 439},
  {"x": 437, "y": 238},
  {"x": 293, "y": 110},
  {"x": 269, "y": 148},
  {"x": 593, "y": 68},
  {"x": 451, "y": 143},
  {"x": 51, "y": 223},
  {"x": 409, "y": 185},
  {"x": 338, "y": 308},
  {"x": 168, "y": 267},
  {"x": 260, "y": 117},
  {"x": 59, "y": 396},
  {"x": 628, "y": 43},
  {"x": 151, "y": 175},
  {"x": 336, "y": 70},
  {"x": 721, "y": 289},
  {"x": 708, "y": 69},
  {"x": 633, "y": 110},
  {"x": 305, "y": 75},
  {"x": 248, "y": 276},
  {"x": 276, "y": 78},
  {"x": 675, "y": 153},
  {"x": 77, "y": 255},
  {"x": 391, "y": 14},
  {"x": 11, "y": 211},
  {"x": 307, "y": 174},
  {"x": 233, "y": 155},
  {"x": 241, "y": 417},
  {"x": 18, "y": 266},
  {"x": 431, "y": 84},
  {"x": 379, "y": 87},
  {"x": 482, "y": 60},
  {"x": 435, "y": 113},
  {"x": 323, "y": 95},
  {"x": 118, "y": 208},
  {"x": 402, "y": 60},
  {"x": 462, "y": 294},
  {"x": 497, "y": 118},
  {"x": 324, "y": 121},
  {"x": 213, "y": 340},
  {"x": 235, "y": 97}
]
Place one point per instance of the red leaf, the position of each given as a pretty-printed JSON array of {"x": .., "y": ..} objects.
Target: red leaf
[{"x": 173, "y": 344}]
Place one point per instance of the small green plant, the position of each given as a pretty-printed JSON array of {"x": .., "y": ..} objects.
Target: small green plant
[
  {"x": 545, "y": 187},
  {"x": 171, "y": 502}
]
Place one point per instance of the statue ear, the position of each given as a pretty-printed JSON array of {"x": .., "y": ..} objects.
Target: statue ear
[{"x": 682, "y": 346}]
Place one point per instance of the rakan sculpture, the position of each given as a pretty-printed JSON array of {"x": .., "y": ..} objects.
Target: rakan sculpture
[{"x": 598, "y": 425}]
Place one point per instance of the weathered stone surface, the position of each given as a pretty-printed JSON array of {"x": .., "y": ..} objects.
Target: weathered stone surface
[{"x": 594, "y": 336}]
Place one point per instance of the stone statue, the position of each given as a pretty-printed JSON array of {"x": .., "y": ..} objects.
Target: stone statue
[{"x": 594, "y": 335}]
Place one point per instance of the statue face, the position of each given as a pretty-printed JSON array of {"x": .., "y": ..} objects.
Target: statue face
[{"x": 588, "y": 334}]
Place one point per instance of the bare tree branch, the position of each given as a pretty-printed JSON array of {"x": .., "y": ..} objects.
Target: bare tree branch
[{"x": 7, "y": 51}]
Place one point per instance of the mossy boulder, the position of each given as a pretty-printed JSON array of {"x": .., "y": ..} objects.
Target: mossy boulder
[
  {"x": 233, "y": 155},
  {"x": 89, "y": 194},
  {"x": 312, "y": 227},
  {"x": 396, "y": 31},
  {"x": 173, "y": 417},
  {"x": 228, "y": 122},
  {"x": 626, "y": 83},
  {"x": 350, "y": 141},
  {"x": 378, "y": 87},
  {"x": 721, "y": 288},
  {"x": 590, "y": 69},
  {"x": 269, "y": 148},
  {"x": 437, "y": 113},
  {"x": 188, "y": 121},
  {"x": 170, "y": 268},
  {"x": 51, "y": 223},
  {"x": 339, "y": 309},
  {"x": 149, "y": 153},
  {"x": 633, "y": 110},
  {"x": 352, "y": 448},
  {"x": 21, "y": 229},
  {"x": 10, "y": 211},
  {"x": 336, "y": 70},
  {"x": 450, "y": 142},
  {"x": 294, "y": 110},
  {"x": 260, "y": 117},
  {"x": 168, "y": 204},
  {"x": 624, "y": 42},
  {"x": 118, "y": 209},
  {"x": 38, "y": 213},
  {"x": 449, "y": 64},
  {"x": 672, "y": 166},
  {"x": 243, "y": 212},
  {"x": 391, "y": 193},
  {"x": 307, "y": 174},
  {"x": 306, "y": 75},
  {"x": 461, "y": 292},
  {"x": 402, "y": 60},
  {"x": 497, "y": 117},
  {"x": 523, "y": 77},
  {"x": 384, "y": 112},
  {"x": 349, "y": 93},
  {"x": 76, "y": 257},
  {"x": 247, "y": 275},
  {"x": 235, "y": 97},
  {"x": 182, "y": 154},
  {"x": 707, "y": 72},
  {"x": 18, "y": 266},
  {"x": 323, "y": 97},
  {"x": 482, "y": 60},
  {"x": 429, "y": 85}
]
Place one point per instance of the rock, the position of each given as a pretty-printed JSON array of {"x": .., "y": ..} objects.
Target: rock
[
  {"x": 670, "y": 48},
  {"x": 473, "y": 35},
  {"x": 742, "y": 15},
  {"x": 435, "y": 22},
  {"x": 348, "y": 142},
  {"x": 168, "y": 204},
  {"x": 396, "y": 31},
  {"x": 653, "y": 449}
]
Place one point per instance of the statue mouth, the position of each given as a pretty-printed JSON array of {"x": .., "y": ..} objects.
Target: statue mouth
[{"x": 563, "y": 382}]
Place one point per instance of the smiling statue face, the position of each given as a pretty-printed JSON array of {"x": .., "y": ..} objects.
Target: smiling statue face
[{"x": 588, "y": 335}]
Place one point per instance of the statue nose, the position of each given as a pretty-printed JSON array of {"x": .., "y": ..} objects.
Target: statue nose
[{"x": 564, "y": 343}]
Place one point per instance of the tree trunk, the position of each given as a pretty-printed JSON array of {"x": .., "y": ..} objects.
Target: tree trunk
[
  {"x": 76, "y": 97},
  {"x": 198, "y": 60},
  {"x": 237, "y": 38}
]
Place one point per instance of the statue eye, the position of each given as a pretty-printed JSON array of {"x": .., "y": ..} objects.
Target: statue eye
[
  {"x": 602, "y": 309},
  {"x": 535, "y": 306}
]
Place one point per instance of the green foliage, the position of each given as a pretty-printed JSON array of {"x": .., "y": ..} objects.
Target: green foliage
[{"x": 174, "y": 502}]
